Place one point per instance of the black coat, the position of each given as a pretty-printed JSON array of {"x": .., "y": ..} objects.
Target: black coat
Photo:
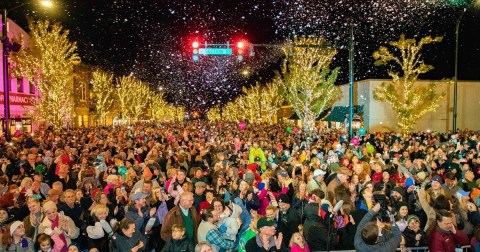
[
  {"x": 183, "y": 245},
  {"x": 315, "y": 231},
  {"x": 288, "y": 224},
  {"x": 410, "y": 240},
  {"x": 347, "y": 234}
]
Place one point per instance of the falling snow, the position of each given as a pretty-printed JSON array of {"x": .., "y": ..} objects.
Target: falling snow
[{"x": 152, "y": 39}]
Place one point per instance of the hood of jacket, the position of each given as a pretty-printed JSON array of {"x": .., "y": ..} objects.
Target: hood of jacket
[{"x": 311, "y": 212}]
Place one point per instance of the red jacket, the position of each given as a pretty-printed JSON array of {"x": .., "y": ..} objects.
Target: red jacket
[{"x": 446, "y": 241}]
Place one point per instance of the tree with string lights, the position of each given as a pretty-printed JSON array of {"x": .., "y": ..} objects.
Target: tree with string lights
[
  {"x": 125, "y": 85},
  {"x": 158, "y": 107},
  {"x": 48, "y": 61},
  {"x": 140, "y": 99},
  {"x": 213, "y": 114},
  {"x": 408, "y": 99},
  {"x": 270, "y": 100},
  {"x": 308, "y": 83},
  {"x": 103, "y": 91}
]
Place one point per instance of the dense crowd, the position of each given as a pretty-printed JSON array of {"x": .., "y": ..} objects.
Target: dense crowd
[{"x": 199, "y": 186}]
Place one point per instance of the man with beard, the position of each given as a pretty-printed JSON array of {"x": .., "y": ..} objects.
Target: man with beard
[{"x": 288, "y": 219}]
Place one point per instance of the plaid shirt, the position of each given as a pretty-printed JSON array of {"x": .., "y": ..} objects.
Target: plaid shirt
[{"x": 215, "y": 237}]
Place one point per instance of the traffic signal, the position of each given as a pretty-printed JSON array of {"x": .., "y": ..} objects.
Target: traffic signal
[
  {"x": 241, "y": 46},
  {"x": 195, "y": 46}
]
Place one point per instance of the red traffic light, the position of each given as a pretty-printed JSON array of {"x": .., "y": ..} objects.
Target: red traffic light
[
  {"x": 241, "y": 44},
  {"x": 195, "y": 44}
]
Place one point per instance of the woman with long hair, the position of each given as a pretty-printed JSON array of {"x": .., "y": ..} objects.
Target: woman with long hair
[
  {"x": 14, "y": 238},
  {"x": 300, "y": 198}
]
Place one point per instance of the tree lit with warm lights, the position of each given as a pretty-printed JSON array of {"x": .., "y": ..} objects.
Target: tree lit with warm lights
[
  {"x": 408, "y": 99},
  {"x": 103, "y": 91},
  {"x": 48, "y": 61},
  {"x": 308, "y": 82}
]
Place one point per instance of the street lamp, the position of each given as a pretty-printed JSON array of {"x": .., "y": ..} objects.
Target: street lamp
[
  {"x": 455, "y": 78},
  {"x": 7, "y": 47}
]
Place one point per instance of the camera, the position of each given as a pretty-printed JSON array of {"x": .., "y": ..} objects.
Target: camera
[{"x": 382, "y": 215}]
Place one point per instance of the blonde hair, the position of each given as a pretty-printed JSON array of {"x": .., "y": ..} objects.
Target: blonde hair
[
  {"x": 111, "y": 177},
  {"x": 24, "y": 181},
  {"x": 297, "y": 190},
  {"x": 254, "y": 222},
  {"x": 292, "y": 240},
  {"x": 97, "y": 209}
]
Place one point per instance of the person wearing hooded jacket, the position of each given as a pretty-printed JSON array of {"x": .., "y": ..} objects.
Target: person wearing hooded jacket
[
  {"x": 315, "y": 231},
  {"x": 231, "y": 224}
]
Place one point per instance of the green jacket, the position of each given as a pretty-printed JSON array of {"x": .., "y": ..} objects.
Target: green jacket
[{"x": 249, "y": 234}]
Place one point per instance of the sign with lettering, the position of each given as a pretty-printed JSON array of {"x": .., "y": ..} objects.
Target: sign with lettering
[
  {"x": 19, "y": 99},
  {"x": 215, "y": 51}
]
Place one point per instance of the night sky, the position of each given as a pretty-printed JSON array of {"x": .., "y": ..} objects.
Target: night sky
[{"x": 152, "y": 39}]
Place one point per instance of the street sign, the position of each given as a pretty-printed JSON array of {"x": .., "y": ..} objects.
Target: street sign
[{"x": 215, "y": 51}]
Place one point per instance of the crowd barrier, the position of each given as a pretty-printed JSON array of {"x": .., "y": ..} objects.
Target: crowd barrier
[{"x": 413, "y": 249}]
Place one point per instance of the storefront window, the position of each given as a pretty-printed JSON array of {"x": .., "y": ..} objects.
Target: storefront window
[
  {"x": 20, "y": 84},
  {"x": 31, "y": 87}
]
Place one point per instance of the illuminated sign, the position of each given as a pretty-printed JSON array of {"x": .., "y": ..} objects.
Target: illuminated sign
[{"x": 19, "y": 99}]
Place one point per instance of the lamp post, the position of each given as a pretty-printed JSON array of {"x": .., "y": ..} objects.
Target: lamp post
[
  {"x": 455, "y": 78},
  {"x": 350, "y": 96},
  {"x": 6, "y": 79},
  {"x": 7, "y": 47}
]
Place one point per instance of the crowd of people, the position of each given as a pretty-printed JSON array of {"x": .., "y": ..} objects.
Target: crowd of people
[{"x": 203, "y": 186}]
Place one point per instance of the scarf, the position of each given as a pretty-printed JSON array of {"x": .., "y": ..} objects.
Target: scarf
[{"x": 55, "y": 224}]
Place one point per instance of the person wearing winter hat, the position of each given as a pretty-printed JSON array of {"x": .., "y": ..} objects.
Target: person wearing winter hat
[
  {"x": 436, "y": 189},
  {"x": 55, "y": 220},
  {"x": 414, "y": 235},
  {"x": 14, "y": 238},
  {"x": 342, "y": 177},
  {"x": 317, "y": 181},
  {"x": 288, "y": 218},
  {"x": 401, "y": 209}
]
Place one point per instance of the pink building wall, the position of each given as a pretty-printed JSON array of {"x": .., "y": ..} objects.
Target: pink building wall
[{"x": 22, "y": 92}]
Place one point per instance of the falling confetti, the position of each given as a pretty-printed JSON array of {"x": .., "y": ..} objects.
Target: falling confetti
[{"x": 152, "y": 39}]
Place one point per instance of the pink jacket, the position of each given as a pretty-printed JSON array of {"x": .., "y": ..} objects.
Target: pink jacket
[{"x": 296, "y": 248}]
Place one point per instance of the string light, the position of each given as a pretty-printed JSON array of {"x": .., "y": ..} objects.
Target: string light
[
  {"x": 308, "y": 83},
  {"x": 408, "y": 99},
  {"x": 103, "y": 91},
  {"x": 48, "y": 61}
]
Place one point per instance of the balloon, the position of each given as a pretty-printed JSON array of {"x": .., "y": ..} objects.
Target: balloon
[
  {"x": 355, "y": 141},
  {"x": 362, "y": 131},
  {"x": 242, "y": 125},
  {"x": 289, "y": 129},
  {"x": 370, "y": 148}
]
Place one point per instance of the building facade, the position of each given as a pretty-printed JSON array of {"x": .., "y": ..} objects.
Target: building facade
[
  {"x": 379, "y": 116},
  {"x": 22, "y": 93}
]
